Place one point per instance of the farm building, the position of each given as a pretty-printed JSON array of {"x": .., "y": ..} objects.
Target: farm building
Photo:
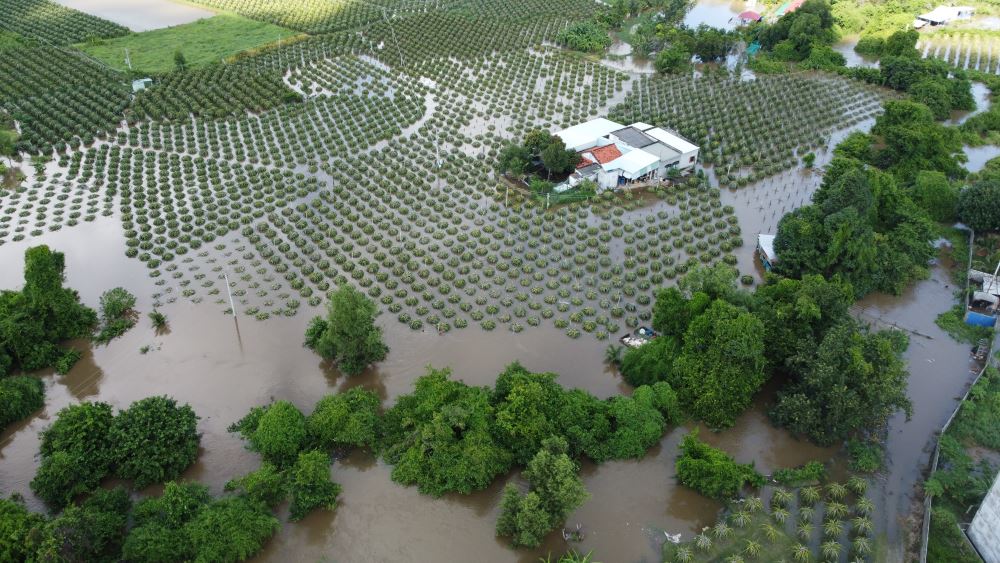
[
  {"x": 141, "y": 84},
  {"x": 612, "y": 154},
  {"x": 765, "y": 251},
  {"x": 943, "y": 15}
]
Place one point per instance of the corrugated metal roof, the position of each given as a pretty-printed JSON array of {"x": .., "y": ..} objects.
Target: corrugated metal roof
[
  {"x": 583, "y": 135},
  {"x": 634, "y": 137}
]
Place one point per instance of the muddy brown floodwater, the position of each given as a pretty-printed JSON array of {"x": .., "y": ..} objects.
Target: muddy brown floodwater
[
  {"x": 204, "y": 361},
  {"x": 222, "y": 369}
]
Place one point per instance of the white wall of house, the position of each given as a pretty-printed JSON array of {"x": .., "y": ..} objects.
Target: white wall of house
[{"x": 985, "y": 528}]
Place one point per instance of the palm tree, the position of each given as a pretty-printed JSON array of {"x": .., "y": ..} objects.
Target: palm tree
[
  {"x": 865, "y": 505},
  {"x": 754, "y": 504},
  {"x": 781, "y": 497},
  {"x": 722, "y": 530},
  {"x": 836, "y": 510},
  {"x": 684, "y": 555},
  {"x": 862, "y": 545},
  {"x": 810, "y": 495},
  {"x": 780, "y": 515},
  {"x": 836, "y": 491},
  {"x": 857, "y": 484},
  {"x": 613, "y": 355},
  {"x": 734, "y": 559},
  {"x": 806, "y": 513},
  {"x": 833, "y": 528},
  {"x": 831, "y": 549},
  {"x": 702, "y": 541},
  {"x": 804, "y": 531},
  {"x": 801, "y": 553},
  {"x": 742, "y": 518},
  {"x": 862, "y": 524},
  {"x": 752, "y": 549}
]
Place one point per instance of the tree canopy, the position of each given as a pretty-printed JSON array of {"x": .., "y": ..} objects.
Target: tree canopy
[
  {"x": 854, "y": 380},
  {"x": 19, "y": 397},
  {"x": 276, "y": 431},
  {"x": 43, "y": 314},
  {"x": 711, "y": 471},
  {"x": 155, "y": 440},
  {"x": 979, "y": 205},
  {"x": 348, "y": 335},
  {"x": 344, "y": 420}
]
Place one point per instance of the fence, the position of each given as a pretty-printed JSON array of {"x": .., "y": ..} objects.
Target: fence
[{"x": 928, "y": 499}]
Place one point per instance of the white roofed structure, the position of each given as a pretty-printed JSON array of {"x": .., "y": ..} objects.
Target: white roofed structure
[
  {"x": 585, "y": 135},
  {"x": 633, "y": 164},
  {"x": 672, "y": 140},
  {"x": 944, "y": 14}
]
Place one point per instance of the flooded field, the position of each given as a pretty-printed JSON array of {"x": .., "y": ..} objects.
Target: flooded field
[
  {"x": 141, "y": 16},
  {"x": 979, "y": 156},
  {"x": 716, "y": 13}
]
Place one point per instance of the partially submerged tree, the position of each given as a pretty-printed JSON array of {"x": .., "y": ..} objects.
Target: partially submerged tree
[{"x": 348, "y": 335}]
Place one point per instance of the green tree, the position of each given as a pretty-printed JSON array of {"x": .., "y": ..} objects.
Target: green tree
[
  {"x": 34, "y": 320},
  {"x": 277, "y": 432},
  {"x": 721, "y": 365},
  {"x": 180, "y": 61},
  {"x": 651, "y": 362},
  {"x": 712, "y": 472},
  {"x": 157, "y": 532},
  {"x": 439, "y": 437},
  {"x": 935, "y": 94},
  {"x": 556, "y": 158},
  {"x": 587, "y": 36},
  {"x": 92, "y": 531},
  {"x": 932, "y": 192},
  {"x": 853, "y": 380},
  {"x": 718, "y": 281},
  {"x": 672, "y": 312},
  {"x": 265, "y": 485},
  {"x": 556, "y": 490},
  {"x": 673, "y": 60},
  {"x": 979, "y": 205},
  {"x": 77, "y": 453},
  {"x": 310, "y": 485},
  {"x": 19, "y": 397},
  {"x": 345, "y": 420},
  {"x": 348, "y": 335},
  {"x": 911, "y": 141},
  {"x": 636, "y": 423},
  {"x": 155, "y": 440},
  {"x": 526, "y": 406},
  {"x": 230, "y": 529},
  {"x": 16, "y": 525}
]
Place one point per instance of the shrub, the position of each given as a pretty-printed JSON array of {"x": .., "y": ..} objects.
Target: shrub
[
  {"x": 712, "y": 472},
  {"x": 345, "y": 420},
  {"x": 863, "y": 456},
  {"x": 310, "y": 485},
  {"x": 812, "y": 471},
  {"x": 19, "y": 397},
  {"x": 277, "y": 432},
  {"x": 155, "y": 440}
]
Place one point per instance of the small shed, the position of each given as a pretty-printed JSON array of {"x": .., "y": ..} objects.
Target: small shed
[
  {"x": 750, "y": 16},
  {"x": 765, "y": 251},
  {"x": 141, "y": 84},
  {"x": 943, "y": 15}
]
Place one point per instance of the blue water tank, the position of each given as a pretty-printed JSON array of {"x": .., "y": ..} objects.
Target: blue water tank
[{"x": 979, "y": 319}]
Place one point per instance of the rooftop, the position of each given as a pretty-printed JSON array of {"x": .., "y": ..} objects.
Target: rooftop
[
  {"x": 583, "y": 135},
  {"x": 606, "y": 154},
  {"x": 634, "y": 137},
  {"x": 672, "y": 140}
]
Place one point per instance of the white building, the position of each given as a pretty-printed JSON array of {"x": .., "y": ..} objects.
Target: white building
[
  {"x": 985, "y": 528},
  {"x": 612, "y": 154},
  {"x": 943, "y": 15}
]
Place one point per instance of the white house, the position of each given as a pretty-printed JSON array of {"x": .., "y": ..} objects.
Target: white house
[
  {"x": 612, "y": 154},
  {"x": 765, "y": 251},
  {"x": 943, "y": 15},
  {"x": 141, "y": 84}
]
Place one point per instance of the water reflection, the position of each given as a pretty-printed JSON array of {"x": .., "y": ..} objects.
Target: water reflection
[{"x": 141, "y": 16}]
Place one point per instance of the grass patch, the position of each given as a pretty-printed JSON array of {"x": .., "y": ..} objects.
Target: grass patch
[
  {"x": 202, "y": 42},
  {"x": 953, "y": 322}
]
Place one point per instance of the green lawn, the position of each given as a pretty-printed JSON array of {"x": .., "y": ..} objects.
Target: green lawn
[{"x": 202, "y": 42}]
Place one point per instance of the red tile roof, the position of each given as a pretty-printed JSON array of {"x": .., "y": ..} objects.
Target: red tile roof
[
  {"x": 606, "y": 153},
  {"x": 584, "y": 162}
]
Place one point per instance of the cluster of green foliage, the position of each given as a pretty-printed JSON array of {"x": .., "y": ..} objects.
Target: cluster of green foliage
[
  {"x": 20, "y": 396},
  {"x": 184, "y": 523},
  {"x": 861, "y": 225},
  {"x": 152, "y": 441},
  {"x": 348, "y": 335},
  {"x": 117, "y": 314},
  {"x": 296, "y": 448},
  {"x": 712, "y": 472},
  {"x": 953, "y": 322},
  {"x": 811, "y": 471},
  {"x": 876, "y": 19},
  {"x": 676, "y": 45},
  {"x": 588, "y": 36},
  {"x": 36, "y": 319},
  {"x": 864, "y": 456},
  {"x": 979, "y": 416},
  {"x": 854, "y": 379},
  {"x": 979, "y": 204},
  {"x": 555, "y": 491},
  {"x": 945, "y": 543},
  {"x": 797, "y": 34},
  {"x": 710, "y": 350},
  {"x": 539, "y": 151},
  {"x": 447, "y": 436}
]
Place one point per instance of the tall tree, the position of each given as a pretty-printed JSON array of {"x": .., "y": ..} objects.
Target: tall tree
[
  {"x": 348, "y": 335},
  {"x": 853, "y": 380}
]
